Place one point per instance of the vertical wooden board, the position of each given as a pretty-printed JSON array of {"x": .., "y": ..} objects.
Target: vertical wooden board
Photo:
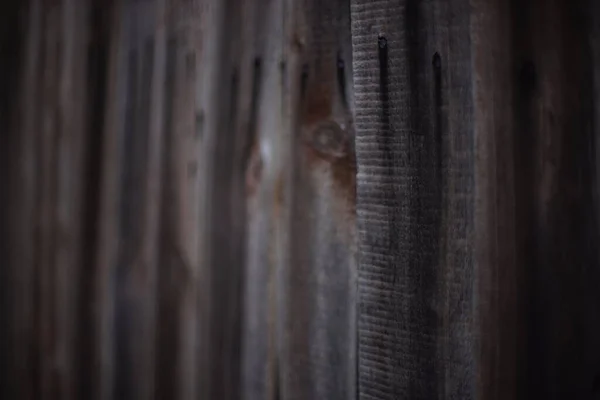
[
  {"x": 320, "y": 268},
  {"x": 266, "y": 351},
  {"x": 497, "y": 273},
  {"x": 555, "y": 140},
  {"x": 207, "y": 116},
  {"x": 72, "y": 141},
  {"x": 228, "y": 217},
  {"x": 13, "y": 18},
  {"x": 261, "y": 124},
  {"x": 130, "y": 203},
  {"x": 22, "y": 217},
  {"x": 99, "y": 19},
  {"x": 138, "y": 265},
  {"x": 178, "y": 270},
  {"x": 222, "y": 247},
  {"x": 107, "y": 289},
  {"x": 108, "y": 237},
  {"x": 194, "y": 311},
  {"x": 414, "y": 197},
  {"x": 452, "y": 109},
  {"x": 533, "y": 114},
  {"x": 229, "y": 212},
  {"x": 61, "y": 202},
  {"x": 46, "y": 202}
]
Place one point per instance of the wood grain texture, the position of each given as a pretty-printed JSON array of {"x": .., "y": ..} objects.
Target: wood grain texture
[
  {"x": 415, "y": 199},
  {"x": 12, "y": 39},
  {"x": 318, "y": 318},
  {"x": 260, "y": 134},
  {"x": 299, "y": 199},
  {"x": 129, "y": 209},
  {"x": 223, "y": 240},
  {"x": 207, "y": 114},
  {"x": 44, "y": 254},
  {"x": 108, "y": 214},
  {"x": 537, "y": 349},
  {"x": 466, "y": 143},
  {"x": 22, "y": 181},
  {"x": 496, "y": 254},
  {"x": 90, "y": 376},
  {"x": 179, "y": 259}
]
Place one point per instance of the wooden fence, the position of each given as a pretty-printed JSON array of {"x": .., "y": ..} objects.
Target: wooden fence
[{"x": 299, "y": 199}]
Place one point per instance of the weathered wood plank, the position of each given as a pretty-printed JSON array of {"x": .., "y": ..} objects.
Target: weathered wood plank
[
  {"x": 136, "y": 269},
  {"x": 259, "y": 75},
  {"x": 264, "y": 164},
  {"x": 498, "y": 274},
  {"x": 48, "y": 144},
  {"x": 222, "y": 247},
  {"x": 177, "y": 323},
  {"x": 130, "y": 203},
  {"x": 207, "y": 117},
  {"x": 23, "y": 214},
  {"x": 13, "y": 27},
  {"x": 69, "y": 122},
  {"x": 415, "y": 199},
  {"x": 103, "y": 360},
  {"x": 318, "y": 304},
  {"x": 88, "y": 333},
  {"x": 534, "y": 113},
  {"x": 17, "y": 75}
]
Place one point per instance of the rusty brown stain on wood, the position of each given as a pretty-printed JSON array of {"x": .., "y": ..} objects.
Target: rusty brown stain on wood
[
  {"x": 327, "y": 144},
  {"x": 319, "y": 99}
]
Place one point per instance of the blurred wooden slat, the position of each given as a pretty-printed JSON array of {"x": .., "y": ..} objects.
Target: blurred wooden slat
[
  {"x": 13, "y": 27},
  {"x": 256, "y": 336},
  {"x": 179, "y": 259},
  {"x": 20, "y": 202},
  {"x": 138, "y": 136},
  {"x": 127, "y": 253},
  {"x": 536, "y": 134},
  {"x": 145, "y": 266},
  {"x": 221, "y": 245},
  {"x": 498, "y": 277},
  {"x": 67, "y": 104},
  {"x": 207, "y": 116},
  {"x": 108, "y": 215},
  {"x": 318, "y": 303},
  {"x": 86, "y": 349},
  {"x": 24, "y": 222},
  {"x": 45, "y": 261},
  {"x": 515, "y": 179},
  {"x": 261, "y": 123}
]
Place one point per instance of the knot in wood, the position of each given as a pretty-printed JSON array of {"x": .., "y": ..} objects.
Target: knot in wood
[{"x": 329, "y": 139}]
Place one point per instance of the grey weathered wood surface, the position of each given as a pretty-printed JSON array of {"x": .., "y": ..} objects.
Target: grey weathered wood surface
[
  {"x": 299, "y": 199},
  {"x": 412, "y": 78},
  {"x": 477, "y": 198}
]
